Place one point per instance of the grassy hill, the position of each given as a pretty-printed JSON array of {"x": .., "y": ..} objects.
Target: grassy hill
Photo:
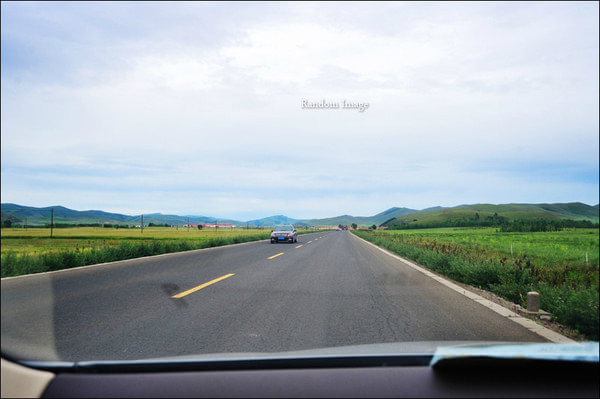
[
  {"x": 41, "y": 216},
  {"x": 378, "y": 219},
  {"x": 573, "y": 210},
  {"x": 273, "y": 221}
]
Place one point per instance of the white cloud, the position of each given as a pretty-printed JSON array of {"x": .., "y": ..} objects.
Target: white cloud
[{"x": 208, "y": 104}]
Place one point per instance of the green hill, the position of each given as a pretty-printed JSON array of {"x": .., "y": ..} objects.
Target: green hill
[
  {"x": 573, "y": 210},
  {"x": 41, "y": 216},
  {"x": 378, "y": 219},
  {"x": 273, "y": 221}
]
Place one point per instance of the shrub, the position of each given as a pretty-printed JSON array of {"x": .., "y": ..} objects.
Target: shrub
[{"x": 577, "y": 308}]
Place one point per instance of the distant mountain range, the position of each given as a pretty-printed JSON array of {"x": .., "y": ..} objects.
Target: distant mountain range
[
  {"x": 41, "y": 216},
  {"x": 20, "y": 214}
]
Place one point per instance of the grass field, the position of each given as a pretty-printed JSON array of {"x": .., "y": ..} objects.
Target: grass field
[
  {"x": 548, "y": 249},
  {"x": 38, "y": 241},
  {"x": 562, "y": 266}
]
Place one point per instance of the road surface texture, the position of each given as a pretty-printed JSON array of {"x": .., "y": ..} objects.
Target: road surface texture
[{"x": 329, "y": 289}]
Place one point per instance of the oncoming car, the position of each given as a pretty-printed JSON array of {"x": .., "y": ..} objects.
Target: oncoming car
[{"x": 284, "y": 233}]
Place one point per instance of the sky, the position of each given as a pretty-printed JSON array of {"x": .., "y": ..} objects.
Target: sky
[{"x": 238, "y": 110}]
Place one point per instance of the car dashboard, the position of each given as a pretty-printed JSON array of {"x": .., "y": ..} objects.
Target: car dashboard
[{"x": 333, "y": 375}]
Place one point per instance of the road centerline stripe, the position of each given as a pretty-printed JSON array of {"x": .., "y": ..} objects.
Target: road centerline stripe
[
  {"x": 299, "y": 246},
  {"x": 184, "y": 293},
  {"x": 274, "y": 256}
]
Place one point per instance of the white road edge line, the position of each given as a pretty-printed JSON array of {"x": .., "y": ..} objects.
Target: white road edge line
[{"x": 501, "y": 310}]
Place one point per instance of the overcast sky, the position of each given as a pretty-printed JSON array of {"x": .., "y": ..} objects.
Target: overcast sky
[{"x": 210, "y": 108}]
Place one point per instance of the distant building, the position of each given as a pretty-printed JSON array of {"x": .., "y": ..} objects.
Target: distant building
[{"x": 219, "y": 225}]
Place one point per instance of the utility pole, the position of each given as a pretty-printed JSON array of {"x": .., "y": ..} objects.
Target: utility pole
[
  {"x": 188, "y": 225},
  {"x": 51, "y": 221},
  {"x": 142, "y": 224}
]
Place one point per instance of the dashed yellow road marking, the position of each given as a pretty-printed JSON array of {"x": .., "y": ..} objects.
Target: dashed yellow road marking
[
  {"x": 184, "y": 293},
  {"x": 274, "y": 256},
  {"x": 299, "y": 246}
]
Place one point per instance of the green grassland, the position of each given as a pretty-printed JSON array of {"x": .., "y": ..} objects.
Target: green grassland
[
  {"x": 38, "y": 241},
  {"x": 557, "y": 249},
  {"x": 131, "y": 233},
  {"x": 562, "y": 265}
]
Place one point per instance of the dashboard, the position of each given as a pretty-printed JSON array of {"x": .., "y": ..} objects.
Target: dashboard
[{"x": 334, "y": 376}]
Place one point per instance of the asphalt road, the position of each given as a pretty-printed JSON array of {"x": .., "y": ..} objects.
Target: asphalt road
[{"x": 329, "y": 289}]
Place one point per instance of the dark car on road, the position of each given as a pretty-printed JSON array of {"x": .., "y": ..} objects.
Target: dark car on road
[{"x": 284, "y": 233}]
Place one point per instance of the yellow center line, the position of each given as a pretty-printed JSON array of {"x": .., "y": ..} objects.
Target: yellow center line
[
  {"x": 299, "y": 246},
  {"x": 274, "y": 256},
  {"x": 184, "y": 293},
  {"x": 309, "y": 242}
]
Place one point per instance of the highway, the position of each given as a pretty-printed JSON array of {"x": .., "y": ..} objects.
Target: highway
[{"x": 329, "y": 289}]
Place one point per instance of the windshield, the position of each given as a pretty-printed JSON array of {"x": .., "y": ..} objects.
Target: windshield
[{"x": 437, "y": 162}]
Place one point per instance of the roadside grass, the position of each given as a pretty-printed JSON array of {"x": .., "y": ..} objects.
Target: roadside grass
[
  {"x": 33, "y": 251},
  {"x": 551, "y": 263},
  {"x": 131, "y": 233}
]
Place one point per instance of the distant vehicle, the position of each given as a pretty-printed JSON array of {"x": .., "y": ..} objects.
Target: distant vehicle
[{"x": 284, "y": 233}]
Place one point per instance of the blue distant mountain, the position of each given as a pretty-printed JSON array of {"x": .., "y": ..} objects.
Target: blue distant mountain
[{"x": 20, "y": 214}]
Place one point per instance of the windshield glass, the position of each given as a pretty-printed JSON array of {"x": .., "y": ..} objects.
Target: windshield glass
[{"x": 438, "y": 162}]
